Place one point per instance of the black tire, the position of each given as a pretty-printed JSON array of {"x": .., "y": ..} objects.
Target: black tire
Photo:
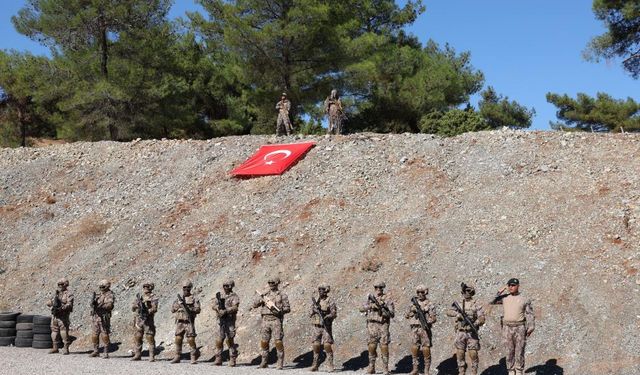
[
  {"x": 41, "y": 320},
  {"x": 24, "y": 318},
  {"x": 42, "y": 329},
  {"x": 6, "y": 341},
  {"x": 23, "y": 343},
  {"x": 24, "y": 326},
  {"x": 41, "y": 344},
  {"x": 41, "y": 337},
  {"x": 7, "y": 332},
  {"x": 8, "y": 315},
  {"x": 7, "y": 324},
  {"x": 24, "y": 334}
]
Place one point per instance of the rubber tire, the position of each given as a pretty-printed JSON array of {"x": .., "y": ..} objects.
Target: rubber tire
[
  {"x": 7, "y": 332},
  {"x": 24, "y": 326},
  {"x": 8, "y": 315},
  {"x": 26, "y": 334},
  {"x": 41, "y": 320},
  {"x": 6, "y": 341},
  {"x": 41, "y": 344},
  {"x": 25, "y": 318},
  {"x": 41, "y": 337},
  {"x": 42, "y": 329},
  {"x": 23, "y": 342},
  {"x": 7, "y": 324}
]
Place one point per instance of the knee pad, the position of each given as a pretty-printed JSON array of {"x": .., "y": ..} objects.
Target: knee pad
[
  {"x": 279, "y": 345},
  {"x": 264, "y": 345},
  {"x": 328, "y": 348},
  {"x": 414, "y": 351}
]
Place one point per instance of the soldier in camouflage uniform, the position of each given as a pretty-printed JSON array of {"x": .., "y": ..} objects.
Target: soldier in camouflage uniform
[
  {"x": 333, "y": 109},
  {"x": 226, "y": 307},
  {"x": 61, "y": 307},
  {"x": 518, "y": 323},
  {"x": 421, "y": 337},
  {"x": 283, "y": 124},
  {"x": 466, "y": 340},
  {"x": 273, "y": 306},
  {"x": 101, "y": 308},
  {"x": 378, "y": 318},
  {"x": 323, "y": 334},
  {"x": 145, "y": 324},
  {"x": 185, "y": 322}
]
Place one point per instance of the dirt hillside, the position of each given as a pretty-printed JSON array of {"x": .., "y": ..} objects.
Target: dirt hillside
[{"x": 561, "y": 211}]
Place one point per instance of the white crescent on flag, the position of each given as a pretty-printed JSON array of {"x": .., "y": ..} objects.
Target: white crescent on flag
[{"x": 267, "y": 157}]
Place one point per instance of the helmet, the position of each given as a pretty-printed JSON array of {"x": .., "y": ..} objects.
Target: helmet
[
  {"x": 187, "y": 284},
  {"x": 274, "y": 279},
  {"x": 229, "y": 282},
  {"x": 63, "y": 281},
  {"x": 284, "y": 94},
  {"x": 468, "y": 289},
  {"x": 324, "y": 286},
  {"x": 149, "y": 284},
  {"x": 379, "y": 284},
  {"x": 422, "y": 288},
  {"x": 105, "y": 284}
]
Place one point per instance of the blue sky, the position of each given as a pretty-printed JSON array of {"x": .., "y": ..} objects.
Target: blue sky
[{"x": 525, "y": 48}]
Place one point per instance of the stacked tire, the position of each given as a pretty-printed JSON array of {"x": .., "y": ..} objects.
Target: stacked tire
[
  {"x": 24, "y": 331},
  {"x": 42, "y": 332},
  {"x": 8, "y": 328}
]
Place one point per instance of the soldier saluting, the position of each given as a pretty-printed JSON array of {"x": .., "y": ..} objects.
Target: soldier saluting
[
  {"x": 518, "y": 323},
  {"x": 61, "y": 306},
  {"x": 226, "y": 307},
  {"x": 323, "y": 312},
  {"x": 379, "y": 310},
  {"x": 145, "y": 307},
  {"x": 422, "y": 315},
  {"x": 273, "y": 306},
  {"x": 185, "y": 308},
  {"x": 469, "y": 317}
]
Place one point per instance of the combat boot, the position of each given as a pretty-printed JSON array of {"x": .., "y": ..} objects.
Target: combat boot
[
  {"x": 384, "y": 349},
  {"x": 218, "y": 360},
  {"x": 328, "y": 349},
  {"x": 232, "y": 362},
  {"x": 137, "y": 355},
  {"x": 106, "y": 341},
  {"x": 195, "y": 353},
  {"x": 316, "y": 355},
  {"x": 264, "y": 353},
  {"x": 95, "y": 340},
  {"x": 280, "y": 353},
  {"x": 233, "y": 352},
  {"x": 414, "y": 360},
  {"x": 66, "y": 341},
  {"x": 65, "y": 349},
  {"x": 151, "y": 342},
  {"x": 178, "y": 353},
  {"x": 54, "y": 348},
  {"x": 372, "y": 359},
  {"x": 137, "y": 346}
]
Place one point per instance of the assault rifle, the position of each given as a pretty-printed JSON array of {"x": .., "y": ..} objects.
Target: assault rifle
[
  {"x": 382, "y": 308},
  {"x": 221, "y": 305},
  {"x": 94, "y": 304},
  {"x": 423, "y": 319},
  {"x": 268, "y": 302},
  {"x": 57, "y": 304},
  {"x": 186, "y": 309},
  {"x": 318, "y": 311},
  {"x": 465, "y": 317},
  {"x": 143, "y": 310}
]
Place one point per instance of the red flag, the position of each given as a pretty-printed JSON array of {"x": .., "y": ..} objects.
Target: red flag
[{"x": 272, "y": 159}]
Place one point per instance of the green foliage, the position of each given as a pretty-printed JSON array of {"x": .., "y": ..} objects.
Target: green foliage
[
  {"x": 622, "y": 38},
  {"x": 453, "y": 122},
  {"x": 600, "y": 114},
  {"x": 498, "y": 111}
]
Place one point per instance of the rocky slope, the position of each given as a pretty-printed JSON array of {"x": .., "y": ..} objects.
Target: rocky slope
[{"x": 559, "y": 210}]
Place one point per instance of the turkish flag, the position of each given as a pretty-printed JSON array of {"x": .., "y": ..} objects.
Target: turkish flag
[{"x": 272, "y": 159}]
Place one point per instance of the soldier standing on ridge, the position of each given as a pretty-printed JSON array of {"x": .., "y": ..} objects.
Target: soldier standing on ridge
[
  {"x": 185, "y": 308},
  {"x": 61, "y": 306},
  {"x": 145, "y": 307},
  {"x": 379, "y": 311},
  {"x": 323, "y": 312},
  {"x": 421, "y": 335},
  {"x": 283, "y": 124},
  {"x": 273, "y": 306},
  {"x": 333, "y": 109},
  {"x": 466, "y": 338},
  {"x": 518, "y": 323},
  {"x": 226, "y": 306},
  {"x": 101, "y": 307}
]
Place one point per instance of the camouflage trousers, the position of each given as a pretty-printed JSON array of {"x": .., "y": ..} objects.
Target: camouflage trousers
[
  {"x": 227, "y": 329},
  {"x": 466, "y": 341},
  {"x": 378, "y": 333},
  {"x": 60, "y": 326},
  {"x": 283, "y": 125},
  {"x": 183, "y": 327},
  {"x": 321, "y": 335},
  {"x": 515, "y": 339},
  {"x": 144, "y": 326},
  {"x": 420, "y": 336},
  {"x": 100, "y": 324},
  {"x": 271, "y": 327}
]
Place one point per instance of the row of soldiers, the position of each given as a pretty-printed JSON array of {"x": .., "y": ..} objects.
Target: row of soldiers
[
  {"x": 517, "y": 321},
  {"x": 332, "y": 108}
]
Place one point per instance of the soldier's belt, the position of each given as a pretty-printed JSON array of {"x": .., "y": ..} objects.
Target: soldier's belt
[
  {"x": 183, "y": 321},
  {"x": 375, "y": 321},
  {"x": 513, "y": 324}
]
